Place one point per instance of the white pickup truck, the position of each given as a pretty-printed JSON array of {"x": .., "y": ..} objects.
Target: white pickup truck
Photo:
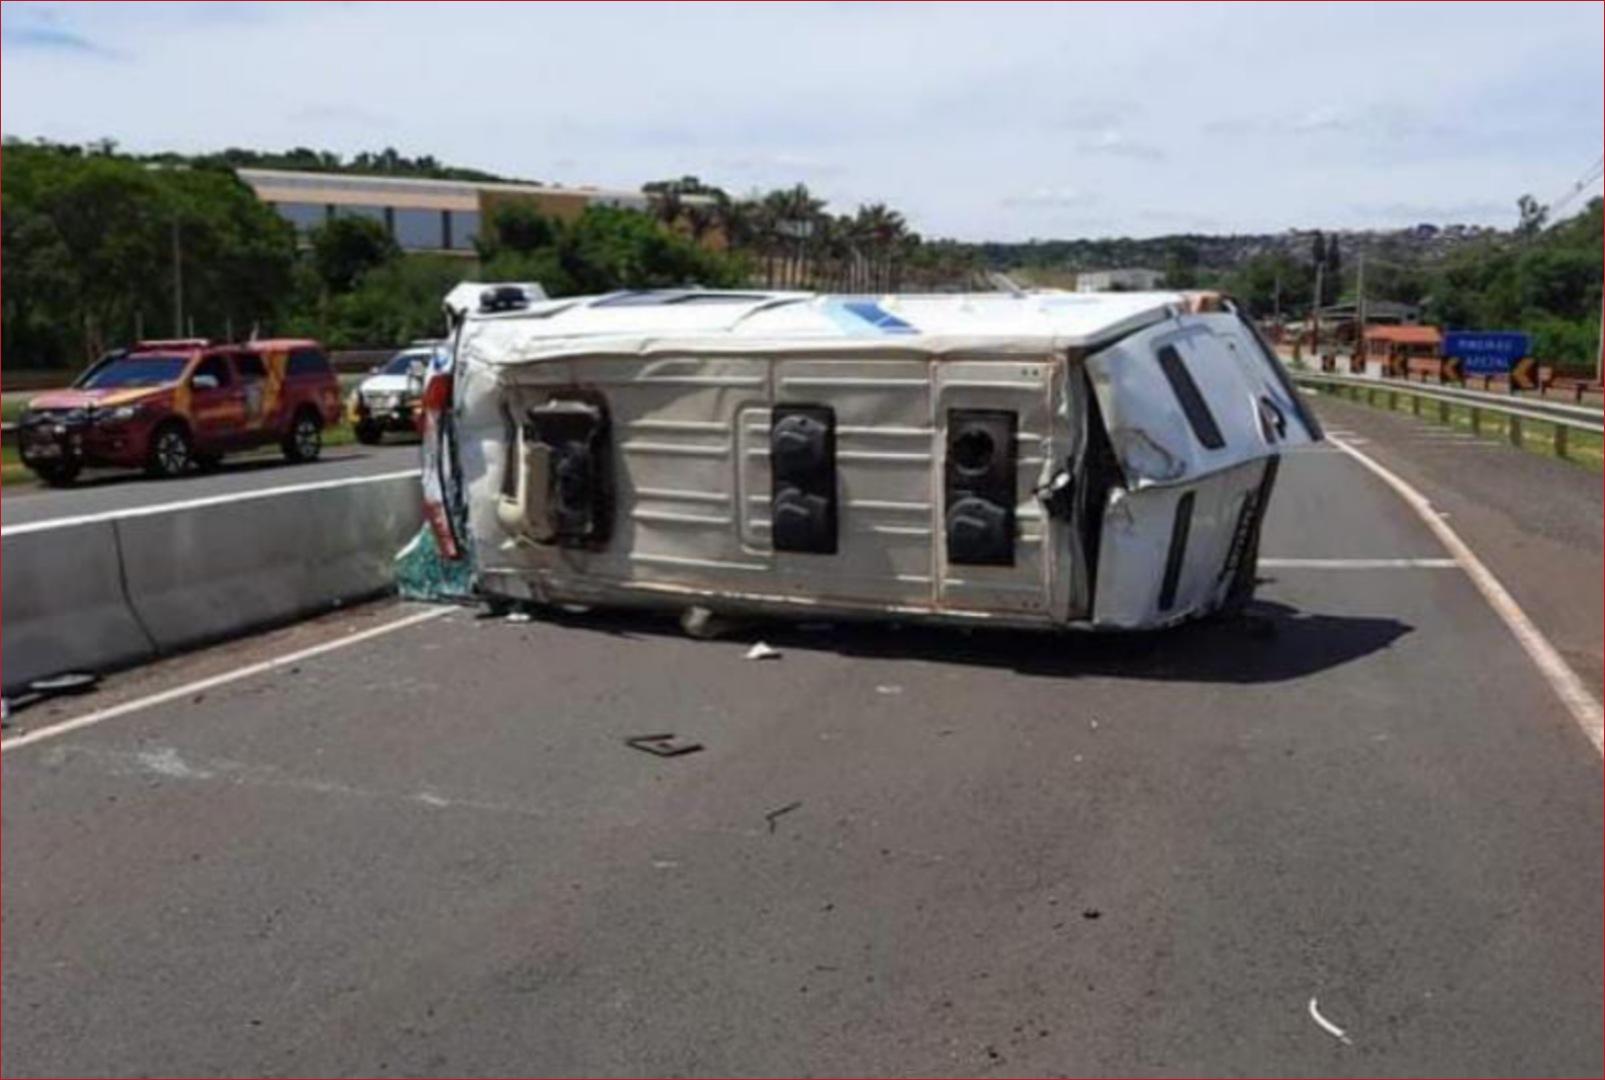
[{"x": 1026, "y": 459}]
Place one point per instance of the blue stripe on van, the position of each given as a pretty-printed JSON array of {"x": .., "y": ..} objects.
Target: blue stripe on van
[{"x": 866, "y": 316}]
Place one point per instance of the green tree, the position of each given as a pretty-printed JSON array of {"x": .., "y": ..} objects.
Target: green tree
[
  {"x": 91, "y": 241},
  {"x": 516, "y": 227},
  {"x": 612, "y": 248},
  {"x": 1530, "y": 217},
  {"x": 395, "y": 302},
  {"x": 346, "y": 248}
]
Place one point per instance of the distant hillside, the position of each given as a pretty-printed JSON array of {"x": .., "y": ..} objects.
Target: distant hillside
[
  {"x": 1420, "y": 244},
  {"x": 386, "y": 162}
]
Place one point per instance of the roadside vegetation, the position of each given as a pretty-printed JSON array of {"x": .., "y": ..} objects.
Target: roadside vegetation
[
  {"x": 1544, "y": 279},
  {"x": 97, "y": 244}
]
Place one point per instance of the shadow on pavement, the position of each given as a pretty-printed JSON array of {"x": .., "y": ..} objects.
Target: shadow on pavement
[{"x": 1269, "y": 642}]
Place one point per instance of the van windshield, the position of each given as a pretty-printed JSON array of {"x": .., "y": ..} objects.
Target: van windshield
[{"x": 133, "y": 371}]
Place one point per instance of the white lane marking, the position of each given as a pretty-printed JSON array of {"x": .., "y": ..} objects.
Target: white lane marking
[
  {"x": 1562, "y": 679},
  {"x": 173, "y": 694},
  {"x": 167, "y": 763},
  {"x": 1327, "y": 1026},
  {"x": 209, "y": 500},
  {"x": 1360, "y": 564}
]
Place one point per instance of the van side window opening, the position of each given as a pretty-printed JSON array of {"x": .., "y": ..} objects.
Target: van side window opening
[
  {"x": 1192, "y": 402},
  {"x": 308, "y": 362}
]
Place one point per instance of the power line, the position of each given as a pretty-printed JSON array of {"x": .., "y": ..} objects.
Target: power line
[{"x": 1588, "y": 179}]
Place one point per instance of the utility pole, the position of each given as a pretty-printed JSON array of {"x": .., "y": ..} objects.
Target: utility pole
[
  {"x": 1315, "y": 310},
  {"x": 178, "y": 285},
  {"x": 1359, "y": 310}
]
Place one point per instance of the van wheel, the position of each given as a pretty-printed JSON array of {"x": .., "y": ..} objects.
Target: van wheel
[
  {"x": 171, "y": 452},
  {"x": 304, "y": 442},
  {"x": 369, "y": 433},
  {"x": 56, "y": 475}
]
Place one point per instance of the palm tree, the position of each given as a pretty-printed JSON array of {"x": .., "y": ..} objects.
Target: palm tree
[{"x": 882, "y": 228}]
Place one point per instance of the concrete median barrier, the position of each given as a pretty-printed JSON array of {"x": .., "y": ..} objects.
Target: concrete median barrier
[
  {"x": 102, "y": 592},
  {"x": 204, "y": 573},
  {"x": 65, "y": 607}
]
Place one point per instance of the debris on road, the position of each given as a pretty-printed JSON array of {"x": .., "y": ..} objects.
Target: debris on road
[
  {"x": 517, "y": 616},
  {"x": 1327, "y": 1026},
  {"x": 888, "y": 688},
  {"x": 776, "y": 814},
  {"x": 73, "y": 682},
  {"x": 701, "y": 623},
  {"x": 663, "y": 745},
  {"x": 761, "y": 651}
]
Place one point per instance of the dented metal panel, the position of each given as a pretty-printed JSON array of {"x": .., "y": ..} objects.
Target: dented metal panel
[{"x": 1251, "y": 411}]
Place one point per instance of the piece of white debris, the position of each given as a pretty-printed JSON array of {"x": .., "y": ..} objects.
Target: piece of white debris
[
  {"x": 1327, "y": 1026},
  {"x": 519, "y": 616},
  {"x": 889, "y": 688},
  {"x": 761, "y": 651}
]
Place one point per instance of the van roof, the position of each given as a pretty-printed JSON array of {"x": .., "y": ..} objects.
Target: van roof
[{"x": 726, "y": 321}]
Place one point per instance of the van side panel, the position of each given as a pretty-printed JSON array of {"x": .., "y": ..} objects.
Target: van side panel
[
  {"x": 1029, "y": 392},
  {"x": 693, "y": 482},
  {"x": 883, "y": 462}
]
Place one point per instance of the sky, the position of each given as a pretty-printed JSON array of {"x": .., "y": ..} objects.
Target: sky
[{"x": 982, "y": 122}]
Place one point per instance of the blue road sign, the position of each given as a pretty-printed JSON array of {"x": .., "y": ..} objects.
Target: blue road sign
[{"x": 1486, "y": 352}]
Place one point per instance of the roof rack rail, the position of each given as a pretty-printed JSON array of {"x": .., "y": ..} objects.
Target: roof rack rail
[{"x": 171, "y": 343}]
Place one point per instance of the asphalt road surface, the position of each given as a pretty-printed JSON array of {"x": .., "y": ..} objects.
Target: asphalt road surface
[
  {"x": 105, "y": 490},
  {"x": 900, "y": 851}
]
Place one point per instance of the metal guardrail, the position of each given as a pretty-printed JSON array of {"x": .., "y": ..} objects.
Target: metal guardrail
[
  {"x": 1479, "y": 405},
  {"x": 1488, "y": 397}
]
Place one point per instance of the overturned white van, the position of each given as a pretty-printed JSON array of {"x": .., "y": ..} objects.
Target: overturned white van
[{"x": 1024, "y": 459}]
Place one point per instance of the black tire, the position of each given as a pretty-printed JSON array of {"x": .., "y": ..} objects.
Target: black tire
[
  {"x": 59, "y": 475},
  {"x": 369, "y": 433},
  {"x": 172, "y": 452},
  {"x": 304, "y": 440}
]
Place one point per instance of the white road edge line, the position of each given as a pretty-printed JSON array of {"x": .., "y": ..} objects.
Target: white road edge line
[
  {"x": 208, "y": 500},
  {"x": 174, "y": 693},
  {"x": 1562, "y": 679},
  {"x": 1360, "y": 564}
]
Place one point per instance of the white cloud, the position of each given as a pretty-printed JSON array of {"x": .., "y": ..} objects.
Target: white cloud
[
  {"x": 968, "y": 117},
  {"x": 1118, "y": 144},
  {"x": 1059, "y": 197}
]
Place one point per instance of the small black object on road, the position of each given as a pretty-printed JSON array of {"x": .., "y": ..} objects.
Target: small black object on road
[
  {"x": 664, "y": 745},
  {"x": 775, "y": 815}
]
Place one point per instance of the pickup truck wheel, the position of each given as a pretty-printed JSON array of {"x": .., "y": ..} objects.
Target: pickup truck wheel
[
  {"x": 369, "y": 433},
  {"x": 56, "y": 475},
  {"x": 171, "y": 452},
  {"x": 304, "y": 441}
]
